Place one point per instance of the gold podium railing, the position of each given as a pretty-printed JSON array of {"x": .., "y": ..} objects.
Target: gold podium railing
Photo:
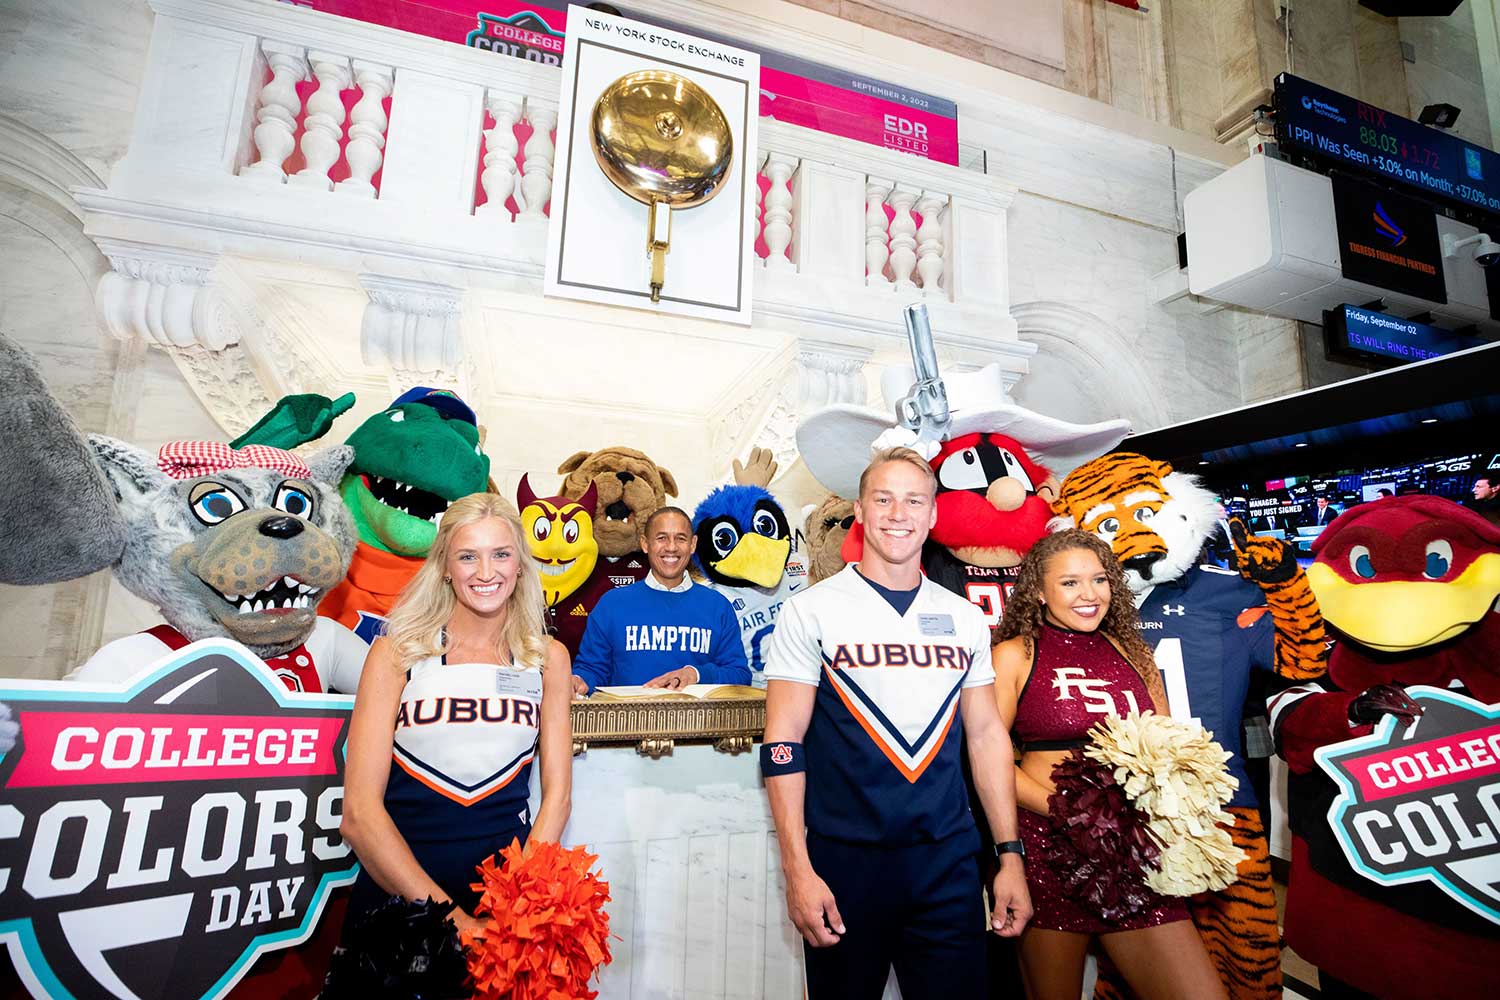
[{"x": 731, "y": 719}]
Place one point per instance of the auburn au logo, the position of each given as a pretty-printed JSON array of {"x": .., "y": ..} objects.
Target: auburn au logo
[
  {"x": 781, "y": 754},
  {"x": 157, "y": 838}
]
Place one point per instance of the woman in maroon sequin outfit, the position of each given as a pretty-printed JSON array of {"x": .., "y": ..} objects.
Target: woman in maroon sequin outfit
[{"x": 1069, "y": 655}]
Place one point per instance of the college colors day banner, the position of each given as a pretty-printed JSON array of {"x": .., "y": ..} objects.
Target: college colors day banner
[{"x": 159, "y": 836}]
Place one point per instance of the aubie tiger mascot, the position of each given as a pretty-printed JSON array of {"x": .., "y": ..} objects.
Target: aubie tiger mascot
[
  {"x": 746, "y": 551},
  {"x": 1209, "y": 628},
  {"x": 411, "y": 460},
  {"x": 560, "y": 534},
  {"x": 231, "y": 543},
  {"x": 993, "y": 464},
  {"x": 1410, "y": 586}
]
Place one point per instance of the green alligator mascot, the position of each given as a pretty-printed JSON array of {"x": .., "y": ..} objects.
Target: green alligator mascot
[{"x": 411, "y": 460}]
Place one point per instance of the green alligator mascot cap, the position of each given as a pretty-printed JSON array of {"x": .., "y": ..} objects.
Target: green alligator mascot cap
[{"x": 411, "y": 460}]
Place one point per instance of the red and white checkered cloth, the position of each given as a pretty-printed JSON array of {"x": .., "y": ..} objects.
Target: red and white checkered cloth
[{"x": 190, "y": 459}]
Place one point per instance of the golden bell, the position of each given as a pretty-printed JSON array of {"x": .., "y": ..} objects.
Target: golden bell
[{"x": 661, "y": 139}]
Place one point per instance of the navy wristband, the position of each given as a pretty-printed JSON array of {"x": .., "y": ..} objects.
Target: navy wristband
[{"x": 781, "y": 758}]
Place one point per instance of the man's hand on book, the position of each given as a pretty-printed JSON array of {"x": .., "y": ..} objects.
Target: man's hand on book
[{"x": 674, "y": 679}]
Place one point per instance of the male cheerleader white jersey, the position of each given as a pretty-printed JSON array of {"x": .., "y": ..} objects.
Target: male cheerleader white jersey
[
  {"x": 465, "y": 737},
  {"x": 883, "y": 746}
]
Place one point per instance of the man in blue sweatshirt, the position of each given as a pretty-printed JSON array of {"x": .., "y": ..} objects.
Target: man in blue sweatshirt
[{"x": 663, "y": 631}]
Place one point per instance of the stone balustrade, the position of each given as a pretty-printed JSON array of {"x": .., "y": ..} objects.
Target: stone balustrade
[
  {"x": 273, "y": 143},
  {"x": 466, "y": 145}
]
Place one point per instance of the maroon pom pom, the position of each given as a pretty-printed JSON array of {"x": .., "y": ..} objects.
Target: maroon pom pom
[{"x": 1102, "y": 845}]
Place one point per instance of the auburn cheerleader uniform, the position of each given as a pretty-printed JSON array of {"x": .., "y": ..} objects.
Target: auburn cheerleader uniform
[
  {"x": 1076, "y": 678},
  {"x": 466, "y": 734},
  {"x": 888, "y": 822}
]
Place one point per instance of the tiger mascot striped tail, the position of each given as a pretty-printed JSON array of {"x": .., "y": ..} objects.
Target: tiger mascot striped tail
[{"x": 1157, "y": 521}]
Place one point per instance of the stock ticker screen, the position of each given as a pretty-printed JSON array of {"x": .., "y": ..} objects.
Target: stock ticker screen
[{"x": 1339, "y": 129}]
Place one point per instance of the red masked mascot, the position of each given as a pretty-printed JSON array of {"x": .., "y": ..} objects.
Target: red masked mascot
[{"x": 1410, "y": 585}]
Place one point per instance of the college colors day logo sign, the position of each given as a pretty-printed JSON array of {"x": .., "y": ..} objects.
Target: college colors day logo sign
[
  {"x": 1423, "y": 804},
  {"x": 158, "y": 837}
]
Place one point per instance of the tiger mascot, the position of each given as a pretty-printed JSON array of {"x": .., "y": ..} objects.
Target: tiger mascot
[{"x": 1209, "y": 628}]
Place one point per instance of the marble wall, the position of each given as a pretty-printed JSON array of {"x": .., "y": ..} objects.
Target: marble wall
[
  {"x": 1447, "y": 67},
  {"x": 1094, "y": 48},
  {"x": 1222, "y": 56},
  {"x": 66, "y": 105},
  {"x": 1095, "y": 217}
]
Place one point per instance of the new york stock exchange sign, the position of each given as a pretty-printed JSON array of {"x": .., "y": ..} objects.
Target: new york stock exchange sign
[{"x": 156, "y": 838}]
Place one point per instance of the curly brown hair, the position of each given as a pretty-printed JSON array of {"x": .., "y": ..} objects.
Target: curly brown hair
[{"x": 1023, "y": 608}]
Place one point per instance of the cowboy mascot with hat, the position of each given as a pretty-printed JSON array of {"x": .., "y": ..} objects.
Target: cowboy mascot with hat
[{"x": 993, "y": 460}]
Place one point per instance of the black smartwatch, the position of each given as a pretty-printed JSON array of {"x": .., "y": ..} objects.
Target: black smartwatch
[{"x": 1010, "y": 847}]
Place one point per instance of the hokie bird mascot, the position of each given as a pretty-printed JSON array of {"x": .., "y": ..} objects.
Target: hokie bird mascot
[
  {"x": 1208, "y": 628},
  {"x": 411, "y": 460},
  {"x": 560, "y": 534},
  {"x": 232, "y": 543},
  {"x": 747, "y": 553},
  {"x": 1410, "y": 586}
]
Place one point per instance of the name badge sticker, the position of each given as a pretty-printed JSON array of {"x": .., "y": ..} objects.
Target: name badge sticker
[
  {"x": 936, "y": 624},
  {"x": 519, "y": 683}
]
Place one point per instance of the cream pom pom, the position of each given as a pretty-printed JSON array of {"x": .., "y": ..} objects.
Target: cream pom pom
[{"x": 1175, "y": 773}]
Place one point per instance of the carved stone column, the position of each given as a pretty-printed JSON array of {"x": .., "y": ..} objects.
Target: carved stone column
[
  {"x": 323, "y": 128},
  {"x": 816, "y": 374},
  {"x": 279, "y": 108},
  {"x": 536, "y": 177},
  {"x": 367, "y": 125},
  {"x": 162, "y": 297},
  {"x": 829, "y": 373},
  {"x": 413, "y": 328}
]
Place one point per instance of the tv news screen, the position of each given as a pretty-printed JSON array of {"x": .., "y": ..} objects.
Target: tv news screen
[{"x": 1298, "y": 508}]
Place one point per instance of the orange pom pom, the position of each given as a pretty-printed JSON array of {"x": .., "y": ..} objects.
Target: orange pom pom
[{"x": 550, "y": 932}]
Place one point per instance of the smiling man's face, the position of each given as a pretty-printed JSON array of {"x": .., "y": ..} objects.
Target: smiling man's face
[{"x": 897, "y": 510}]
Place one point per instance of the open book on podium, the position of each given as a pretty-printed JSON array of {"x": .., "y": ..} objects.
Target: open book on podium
[
  {"x": 716, "y": 692},
  {"x": 732, "y": 717}
]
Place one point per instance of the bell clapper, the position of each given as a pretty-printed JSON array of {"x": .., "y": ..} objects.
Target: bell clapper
[{"x": 657, "y": 245}]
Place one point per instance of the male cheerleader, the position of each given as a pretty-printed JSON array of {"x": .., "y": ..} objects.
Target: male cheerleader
[{"x": 881, "y": 671}]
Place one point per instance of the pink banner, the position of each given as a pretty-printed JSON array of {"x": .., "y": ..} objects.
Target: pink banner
[{"x": 792, "y": 90}]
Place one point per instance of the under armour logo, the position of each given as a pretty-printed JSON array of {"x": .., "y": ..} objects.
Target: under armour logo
[
  {"x": 1173, "y": 609},
  {"x": 781, "y": 754}
]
